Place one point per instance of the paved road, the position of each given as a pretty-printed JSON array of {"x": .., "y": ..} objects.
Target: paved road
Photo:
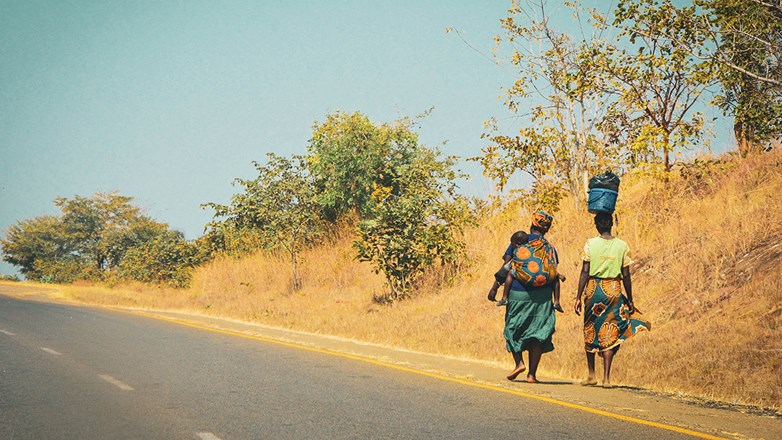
[{"x": 85, "y": 373}]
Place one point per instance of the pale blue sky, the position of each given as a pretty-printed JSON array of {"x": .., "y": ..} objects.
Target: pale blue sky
[{"x": 169, "y": 101}]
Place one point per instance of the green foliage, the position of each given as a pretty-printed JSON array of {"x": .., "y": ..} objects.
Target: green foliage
[
  {"x": 349, "y": 156},
  {"x": 89, "y": 241},
  {"x": 620, "y": 97},
  {"x": 225, "y": 238},
  {"x": 418, "y": 221},
  {"x": 103, "y": 227},
  {"x": 747, "y": 53},
  {"x": 700, "y": 174},
  {"x": 736, "y": 42},
  {"x": 166, "y": 258},
  {"x": 62, "y": 271},
  {"x": 279, "y": 207},
  {"x": 4, "y": 277},
  {"x": 33, "y": 243},
  {"x": 410, "y": 216},
  {"x": 559, "y": 94},
  {"x": 656, "y": 77}
]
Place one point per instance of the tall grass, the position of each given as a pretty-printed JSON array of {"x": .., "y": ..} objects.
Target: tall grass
[{"x": 707, "y": 274}]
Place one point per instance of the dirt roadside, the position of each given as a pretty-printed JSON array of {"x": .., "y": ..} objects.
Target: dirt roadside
[{"x": 712, "y": 418}]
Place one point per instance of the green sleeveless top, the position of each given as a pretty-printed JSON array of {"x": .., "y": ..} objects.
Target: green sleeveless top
[{"x": 606, "y": 257}]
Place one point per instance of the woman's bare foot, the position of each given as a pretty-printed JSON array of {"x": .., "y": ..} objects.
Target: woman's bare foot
[
  {"x": 589, "y": 382},
  {"x": 531, "y": 379},
  {"x": 515, "y": 373},
  {"x": 607, "y": 384}
]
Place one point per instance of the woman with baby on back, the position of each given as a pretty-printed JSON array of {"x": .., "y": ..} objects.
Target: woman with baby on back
[{"x": 531, "y": 294}]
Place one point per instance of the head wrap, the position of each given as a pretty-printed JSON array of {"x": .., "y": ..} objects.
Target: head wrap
[{"x": 542, "y": 221}]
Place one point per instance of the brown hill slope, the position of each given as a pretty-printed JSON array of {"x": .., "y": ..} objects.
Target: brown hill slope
[{"x": 708, "y": 274}]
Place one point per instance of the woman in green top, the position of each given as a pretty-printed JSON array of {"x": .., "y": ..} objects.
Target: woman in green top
[{"x": 609, "y": 316}]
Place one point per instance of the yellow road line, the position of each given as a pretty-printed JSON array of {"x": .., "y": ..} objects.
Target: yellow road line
[{"x": 428, "y": 374}]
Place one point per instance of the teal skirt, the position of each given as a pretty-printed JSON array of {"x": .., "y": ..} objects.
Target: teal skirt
[{"x": 529, "y": 317}]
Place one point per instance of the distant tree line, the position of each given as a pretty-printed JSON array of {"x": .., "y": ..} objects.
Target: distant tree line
[
  {"x": 99, "y": 238},
  {"x": 398, "y": 196}
]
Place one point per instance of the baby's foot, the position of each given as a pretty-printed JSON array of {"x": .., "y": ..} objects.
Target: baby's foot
[{"x": 502, "y": 302}]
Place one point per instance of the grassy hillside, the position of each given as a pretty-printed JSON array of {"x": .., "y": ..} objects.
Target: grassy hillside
[{"x": 708, "y": 274}]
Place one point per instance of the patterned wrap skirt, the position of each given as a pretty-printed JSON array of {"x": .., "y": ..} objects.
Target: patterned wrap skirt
[
  {"x": 607, "y": 318},
  {"x": 529, "y": 317}
]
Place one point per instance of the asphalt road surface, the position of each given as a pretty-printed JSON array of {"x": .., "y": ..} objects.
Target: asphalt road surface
[{"x": 86, "y": 373}]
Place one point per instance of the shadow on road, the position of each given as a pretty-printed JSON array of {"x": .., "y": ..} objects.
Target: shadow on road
[{"x": 543, "y": 382}]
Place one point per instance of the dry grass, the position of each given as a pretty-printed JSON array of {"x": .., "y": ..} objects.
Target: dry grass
[{"x": 708, "y": 276}]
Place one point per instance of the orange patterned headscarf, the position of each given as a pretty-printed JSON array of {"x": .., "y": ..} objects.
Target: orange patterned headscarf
[{"x": 542, "y": 221}]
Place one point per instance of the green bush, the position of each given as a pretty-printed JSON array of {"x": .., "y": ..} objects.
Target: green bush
[{"x": 167, "y": 258}]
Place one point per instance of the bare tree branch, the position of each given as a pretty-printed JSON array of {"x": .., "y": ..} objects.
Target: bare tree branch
[{"x": 773, "y": 6}]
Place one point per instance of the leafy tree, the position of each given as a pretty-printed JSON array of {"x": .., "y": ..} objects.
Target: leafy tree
[
  {"x": 165, "y": 258},
  {"x": 559, "y": 144},
  {"x": 348, "y": 156},
  {"x": 102, "y": 227},
  {"x": 618, "y": 97},
  {"x": 655, "y": 76},
  {"x": 418, "y": 221},
  {"x": 36, "y": 243},
  {"x": 280, "y": 205},
  {"x": 746, "y": 49},
  {"x": 745, "y": 36},
  {"x": 738, "y": 41},
  {"x": 88, "y": 241}
]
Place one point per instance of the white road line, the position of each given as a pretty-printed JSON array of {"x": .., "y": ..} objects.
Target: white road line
[
  {"x": 7, "y": 333},
  {"x": 50, "y": 351},
  {"x": 118, "y": 383},
  {"x": 207, "y": 436}
]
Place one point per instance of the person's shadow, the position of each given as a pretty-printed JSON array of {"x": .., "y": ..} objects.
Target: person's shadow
[
  {"x": 628, "y": 387},
  {"x": 544, "y": 382}
]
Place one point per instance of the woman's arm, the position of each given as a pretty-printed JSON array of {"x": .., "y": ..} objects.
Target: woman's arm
[
  {"x": 628, "y": 285},
  {"x": 583, "y": 278},
  {"x": 556, "y": 287}
]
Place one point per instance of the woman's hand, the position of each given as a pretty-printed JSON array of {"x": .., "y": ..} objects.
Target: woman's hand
[
  {"x": 631, "y": 306},
  {"x": 558, "y": 307},
  {"x": 577, "y": 307}
]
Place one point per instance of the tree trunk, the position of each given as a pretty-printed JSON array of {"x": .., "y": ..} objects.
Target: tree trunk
[
  {"x": 744, "y": 138},
  {"x": 295, "y": 282},
  {"x": 584, "y": 183},
  {"x": 667, "y": 153}
]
